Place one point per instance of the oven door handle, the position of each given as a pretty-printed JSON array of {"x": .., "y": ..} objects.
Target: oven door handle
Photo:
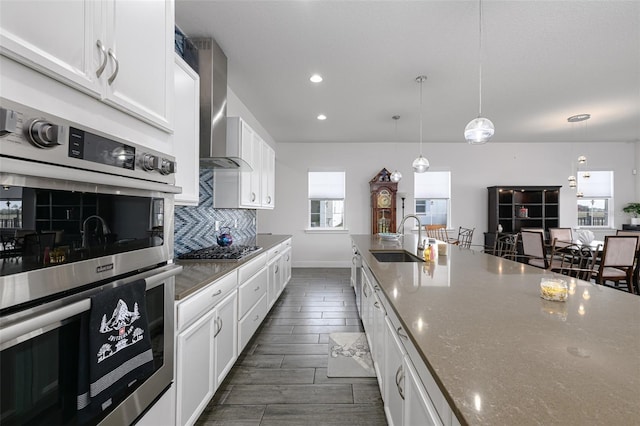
[{"x": 33, "y": 327}]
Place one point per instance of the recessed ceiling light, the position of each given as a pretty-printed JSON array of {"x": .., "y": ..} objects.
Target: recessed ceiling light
[
  {"x": 316, "y": 78},
  {"x": 322, "y": 117}
]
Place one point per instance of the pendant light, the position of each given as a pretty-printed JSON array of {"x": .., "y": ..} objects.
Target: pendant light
[
  {"x": 420, "y": 164},
  {"x": 396, "y": 175},
  {"x": 582, "y": 160},
  {"x": 480, "y": 129}
]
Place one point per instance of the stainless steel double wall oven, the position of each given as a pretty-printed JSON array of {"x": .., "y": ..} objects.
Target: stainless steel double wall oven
[{"x": 80, "y": 211}]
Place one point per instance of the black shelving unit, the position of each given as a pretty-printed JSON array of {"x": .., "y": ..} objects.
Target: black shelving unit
[{"x": 517, "y": 207}]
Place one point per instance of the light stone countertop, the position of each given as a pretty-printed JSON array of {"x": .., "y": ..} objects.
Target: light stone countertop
[
  {"x": 198, "y": 274},
  {"x": 502, "y": 355}
]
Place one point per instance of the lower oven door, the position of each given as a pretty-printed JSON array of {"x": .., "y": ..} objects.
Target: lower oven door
[{"x": 40, "y": 352}]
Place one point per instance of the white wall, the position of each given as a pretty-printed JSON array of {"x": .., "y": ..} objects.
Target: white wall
[{"x": 473, "y": 168}]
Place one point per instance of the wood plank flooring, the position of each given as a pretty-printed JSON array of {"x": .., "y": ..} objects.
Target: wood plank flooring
[{"x": 281, "y": 376}]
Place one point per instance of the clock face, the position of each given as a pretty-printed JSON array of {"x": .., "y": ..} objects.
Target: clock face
[{"x": 384, "y": 199}]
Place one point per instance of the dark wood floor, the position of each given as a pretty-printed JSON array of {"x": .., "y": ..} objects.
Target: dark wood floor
[{"x": 281, "y": 376}]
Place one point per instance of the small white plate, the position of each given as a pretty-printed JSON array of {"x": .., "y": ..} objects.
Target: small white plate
[{"x": 389, "y": 236}]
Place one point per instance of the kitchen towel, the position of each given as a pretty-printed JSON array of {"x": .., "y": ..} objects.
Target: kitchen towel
[{"x": 115, "y": 348}]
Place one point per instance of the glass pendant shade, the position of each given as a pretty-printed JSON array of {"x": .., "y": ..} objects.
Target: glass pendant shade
[
  {"x": 420, "y": 164},
  {"x": 479, "y": 131},
  {"x": 396, "y": 176}
]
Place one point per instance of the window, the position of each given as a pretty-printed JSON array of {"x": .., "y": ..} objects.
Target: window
[
  {"x": 326, "y": 200},
  {"x": 594, "y": 207},
  {"x": 433, "y": 197}
]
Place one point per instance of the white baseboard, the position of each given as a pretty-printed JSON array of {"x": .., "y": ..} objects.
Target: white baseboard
[{"x": 322, "y": 264}]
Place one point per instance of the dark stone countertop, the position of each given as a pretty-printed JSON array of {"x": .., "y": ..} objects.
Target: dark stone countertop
[{"x": 197, "y": 274}]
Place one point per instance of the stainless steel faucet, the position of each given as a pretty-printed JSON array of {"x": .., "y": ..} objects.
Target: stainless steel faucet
[
  {"x": 420, "y": 248},
  {"x": 85, "y": 229}
]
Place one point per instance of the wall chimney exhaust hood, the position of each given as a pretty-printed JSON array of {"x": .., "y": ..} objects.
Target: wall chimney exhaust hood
[{"x": 212, "y": 64}]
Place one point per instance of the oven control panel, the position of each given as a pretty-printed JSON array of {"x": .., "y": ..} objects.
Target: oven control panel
[{"x": 33, "y": 135}]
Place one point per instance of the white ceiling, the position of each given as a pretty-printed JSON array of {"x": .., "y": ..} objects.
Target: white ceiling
[{"x": 542, "y": 62}]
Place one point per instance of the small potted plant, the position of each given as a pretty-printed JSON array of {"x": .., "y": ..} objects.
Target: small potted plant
[{"x": 634, "y": 210}]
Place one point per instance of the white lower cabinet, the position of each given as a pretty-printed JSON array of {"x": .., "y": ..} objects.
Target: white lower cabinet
[
  {"x": 195, "y": 371},
  {"x": 410, "y": 395},
  {"x": 226, "y": 336},
  {"x": 418, "y": 409},
  {"x": 252, "y": 298},
  {"x": 286, "y": 267},
  {"x": 393, "y": 394},
  {"x": 205, "y": 345}
]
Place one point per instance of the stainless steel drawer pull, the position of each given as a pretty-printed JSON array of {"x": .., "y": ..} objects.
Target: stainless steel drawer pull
[
  {"x": 100, "y": 69},
  {"x": 256, "y": 318},
  {"x": 257, "y": 288},
  {"x": 217, "y": 293},
  {"x": 404, "y": 336},
  {"x": 115, "y": 73},
  {"x": 219, "y": 325},
  {"x": 399, "y": 378}
]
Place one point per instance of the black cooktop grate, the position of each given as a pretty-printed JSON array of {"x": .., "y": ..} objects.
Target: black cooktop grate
[{"x": 234, "y": 252}]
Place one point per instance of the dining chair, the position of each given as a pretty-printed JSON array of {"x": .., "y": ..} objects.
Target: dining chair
[
  {"x": 35, "y": 244},
  {"x": 465, "y": 235},
  {"x": 563, "y": 235},
  {"x": 439, "y": 232},
  {"x": 534, "y": 249},
  {"x": 506, "y": 245},
  {"x": 574, "y": 260},
  {"x": 617, "y": 261}
]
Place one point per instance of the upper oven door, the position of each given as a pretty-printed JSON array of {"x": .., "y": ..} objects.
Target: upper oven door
[{"x": 61, "y": 234}]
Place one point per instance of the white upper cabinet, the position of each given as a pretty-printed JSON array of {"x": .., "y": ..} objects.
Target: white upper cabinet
[
  {"x": 115, "y": 50},
  {"x": 252, "y": 189},
  {"x": 186, "y": 132},
  {"x": 268, "y": 176}
]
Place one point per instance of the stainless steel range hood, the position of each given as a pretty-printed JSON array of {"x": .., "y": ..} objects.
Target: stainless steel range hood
[{"x": 214, "y": 151}]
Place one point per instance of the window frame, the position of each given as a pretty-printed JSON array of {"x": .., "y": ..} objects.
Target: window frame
[
  {"x": 311, "y": 199},
  {"x": 440, "y": 191},
  {"x": 607, "y": 195}
]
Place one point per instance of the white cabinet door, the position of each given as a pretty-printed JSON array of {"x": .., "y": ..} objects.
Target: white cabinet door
[
  {"x": 57, "y": 38},
  {"x": 119, "y": 51},
  {"x": 393, "y": 395},
  {"x": 186, "y": 131},
  {"x": 256, "y": 174},
  {"x": 226, "y": 336},
  {"x": 140, "y": 35},
  {"x": 275, "y": 280},
  {"x": 418, "y": 408},
  {"x": 195, "y": 374},
  {"x": 268, "y": 176},
  {"x": 377, "y": 341},
  {"x": 286, "y": 267},
  {"x": 249, "y": 196}
]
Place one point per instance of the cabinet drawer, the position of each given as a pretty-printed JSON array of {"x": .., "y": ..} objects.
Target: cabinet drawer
[
  {"x": 251, "y": 291},
  {"x": 250, "y": 268},
  {"x": 198, "y": 303},
  {"x": 273, "y": 253},
  {"x": 286, "y": 244},
  {"x": 250, "y": 323}
]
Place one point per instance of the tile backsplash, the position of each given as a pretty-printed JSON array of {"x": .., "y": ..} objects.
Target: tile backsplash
[{"x": 194, "y": 225}]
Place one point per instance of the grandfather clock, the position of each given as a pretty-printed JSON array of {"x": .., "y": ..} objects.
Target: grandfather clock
[{"x": 383, "y": 202}]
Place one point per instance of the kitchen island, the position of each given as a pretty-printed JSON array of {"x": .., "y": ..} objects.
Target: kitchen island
[{"x": 499, "y": 353}]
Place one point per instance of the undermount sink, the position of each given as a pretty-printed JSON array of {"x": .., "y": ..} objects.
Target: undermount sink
[{"x": 395, "y": 256}]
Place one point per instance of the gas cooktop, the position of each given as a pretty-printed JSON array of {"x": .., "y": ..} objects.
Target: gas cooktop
[{"x": 229, "y": 253}]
